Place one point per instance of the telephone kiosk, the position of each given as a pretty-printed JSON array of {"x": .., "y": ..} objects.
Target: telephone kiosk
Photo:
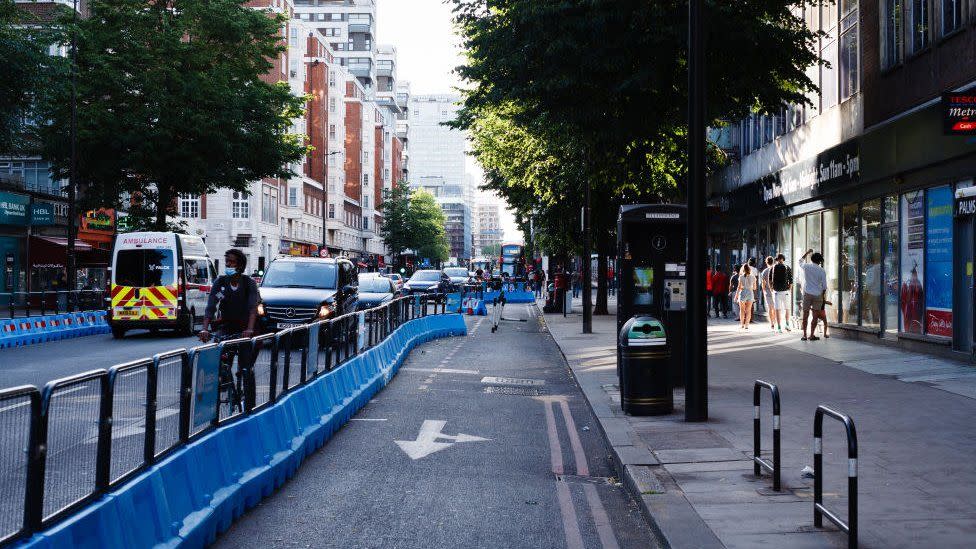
[{"x": 652, "y": 248}]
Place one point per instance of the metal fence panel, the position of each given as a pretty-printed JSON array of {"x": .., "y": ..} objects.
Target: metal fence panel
[
  {"x": 233, "y": 363},
  {"x": 129, "y": 400},
  {"x": 72, "y": 415},
  {"x": 263, "y": 353},
  {"x": 169, "y": 368},
  {"x": 16, "y": 406}
]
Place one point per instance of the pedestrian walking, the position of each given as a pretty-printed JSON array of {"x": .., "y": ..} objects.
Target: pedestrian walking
[
  {"x": 746, "y": 295},
  {"x": 822, "y": 313},
  {"x": 782, "y": 282},
  {"x": 708, "y": 290},
  {"x": 814, "y": 290},
  {"x": 766, "y": 284},
  {"x": 611, "y": 280},
  {"x": 576, "y": 284},
  {"x": 755, "y": 272},
  {"x": 720, "y": 292},
  {"x": 734, "y": 290}
]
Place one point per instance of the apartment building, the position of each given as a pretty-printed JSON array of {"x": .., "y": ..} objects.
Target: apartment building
[
  {"x": 867, "y": 174},
  {"x": 349, "y": 27},
  {"x": 487, "y": 228}
]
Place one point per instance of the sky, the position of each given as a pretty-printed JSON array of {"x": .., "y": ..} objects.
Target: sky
[{"x": 427, "y": 52}]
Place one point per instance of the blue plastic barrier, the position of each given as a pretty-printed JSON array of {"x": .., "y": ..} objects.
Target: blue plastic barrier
[
  {"x": 195, "y": 494},
  {"x": 39, "y": 329}
]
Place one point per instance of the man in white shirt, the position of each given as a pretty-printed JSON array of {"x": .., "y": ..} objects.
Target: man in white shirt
[{"x": 814, "y": 289}]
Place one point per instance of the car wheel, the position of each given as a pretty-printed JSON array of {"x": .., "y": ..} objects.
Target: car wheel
[{"x": 117, "y": 332}]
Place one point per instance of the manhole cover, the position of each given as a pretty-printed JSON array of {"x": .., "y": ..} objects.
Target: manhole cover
[
  {"x": 513, "y": 381},
  {"x": 520, "y": 391}
]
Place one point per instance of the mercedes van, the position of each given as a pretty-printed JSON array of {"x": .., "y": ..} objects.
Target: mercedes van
[{"x": 158, "y": 281}]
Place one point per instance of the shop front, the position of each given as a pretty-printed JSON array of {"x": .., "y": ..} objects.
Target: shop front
[
  {"x": 303, "y": 249},
  {"x": 896, "y": 238},
  {"x": 14, "y": 220}
]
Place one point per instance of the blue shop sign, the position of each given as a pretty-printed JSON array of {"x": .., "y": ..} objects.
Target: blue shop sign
[
  {"x": 13, "y": 209},
  {"x": 42, "y": 214}
]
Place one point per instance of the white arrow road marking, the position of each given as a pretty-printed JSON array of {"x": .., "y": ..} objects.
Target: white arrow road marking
[{"x": 426, "y": 443}]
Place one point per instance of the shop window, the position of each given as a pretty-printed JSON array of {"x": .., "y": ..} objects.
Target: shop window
[
  {"x": 871, "y": 264},
  {"x": 912, "y": 242},
  {"x": 889, "y": 247},
  {"x": 938, "y": 262},
  {"x": 799, "y": 248},
  {"x": 831, "y": 228},
  {"x": 849, "y": 283}
]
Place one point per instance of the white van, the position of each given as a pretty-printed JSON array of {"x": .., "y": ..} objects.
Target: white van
[{"x": 158, "y": 280}]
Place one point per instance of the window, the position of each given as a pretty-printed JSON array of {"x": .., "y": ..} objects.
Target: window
[
  {"x": 365, "y": 222},
  {"x": 889, "y": 249},
  {"x": 332, "y": 131},
  {"x": 951, "y": 15},
  {"x": 918, "y": 25},
  {"x": 241, "y": 207},
  {"x": 849, "y": 285},
  {"x": 848, "y": 49},
  {"x": 269, "y": 204},
  {"x": 292, "y": 196},
  {"x": 197, "y": 271},
  {"x": 831, "y": 223},
  {"x": 189, "y": 206},
  {"x": 871, "y": 264},
  {"x": 293, "y": 38},
  {"x": 331, "y": 211},
  {"x": 332, "y": 106},
  {"x": 912, "y": 243},
  {"x": 365, "y": 179},
  {"x": 892, "y": 33}
]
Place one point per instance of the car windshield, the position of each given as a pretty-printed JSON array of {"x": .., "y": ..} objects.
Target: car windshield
[
  {"x": 300, "y": 274},
  {"x": 426, "y": 276},
  {"x": 375, "y": 285},
  {"x": 456, "y": 272}
]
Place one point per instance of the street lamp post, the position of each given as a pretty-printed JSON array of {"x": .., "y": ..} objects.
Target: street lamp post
[
  {"x": 70, "y": 260},
  {"x": 587, "y": 246},
  {"x": 696, "y": 365},
  {"x": 325, "y": 201}
]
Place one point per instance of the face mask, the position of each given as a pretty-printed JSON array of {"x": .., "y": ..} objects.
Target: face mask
[{"x": 230, "y": 271}]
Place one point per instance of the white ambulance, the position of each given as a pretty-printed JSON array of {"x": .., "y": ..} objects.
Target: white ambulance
[{"x": 158, "y": 280}]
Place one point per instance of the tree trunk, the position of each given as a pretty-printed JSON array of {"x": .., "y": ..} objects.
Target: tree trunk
[
  {"x": 601, "y": 277},
  {"x": 162, "y": 207}
]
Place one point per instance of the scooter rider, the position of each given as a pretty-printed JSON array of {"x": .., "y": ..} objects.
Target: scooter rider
[{"x": 233, "y": 301}]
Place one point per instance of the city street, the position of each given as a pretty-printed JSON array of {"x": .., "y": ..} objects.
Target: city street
[
  {"x": 37, "y": 364},
  {"x": 482, "y": 441}
]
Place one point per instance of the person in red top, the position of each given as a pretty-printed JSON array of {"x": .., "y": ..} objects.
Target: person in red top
[
  {"x": 720, "y": 291},
  {"x": 611, "y": 281},
  {"x": 708, "y": 291}
]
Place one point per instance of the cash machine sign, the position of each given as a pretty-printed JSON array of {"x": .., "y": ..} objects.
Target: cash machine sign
[{"x": 659, "y": 242}]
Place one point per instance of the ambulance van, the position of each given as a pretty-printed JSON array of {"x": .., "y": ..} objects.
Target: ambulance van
[{"x": 158, "y": 281}]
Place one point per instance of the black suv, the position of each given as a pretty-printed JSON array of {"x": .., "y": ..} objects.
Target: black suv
[{"x": 299, "y": 290}]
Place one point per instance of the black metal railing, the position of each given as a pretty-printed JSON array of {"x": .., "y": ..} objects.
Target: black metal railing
[
  {"x": 79, "y": 436},
  {"x": 24, "y": 304},
  {"x": 760, "y": 463},
  {"x": 819, "y": 510}
]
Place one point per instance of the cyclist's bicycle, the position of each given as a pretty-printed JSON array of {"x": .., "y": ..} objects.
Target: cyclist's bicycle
[{"x": 230, "y": 388}]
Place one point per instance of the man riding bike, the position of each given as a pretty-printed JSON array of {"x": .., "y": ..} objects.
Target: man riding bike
[{"x": 233, "y": 302}]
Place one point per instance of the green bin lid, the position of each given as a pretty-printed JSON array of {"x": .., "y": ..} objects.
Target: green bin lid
[{"x": 645, "y": 328}]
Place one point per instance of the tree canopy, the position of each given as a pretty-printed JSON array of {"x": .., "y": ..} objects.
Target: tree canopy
[
  {"x": 567, "y": 93},
  {"x": 426, "y": 222},
  {"x": 171, "y": 100}
]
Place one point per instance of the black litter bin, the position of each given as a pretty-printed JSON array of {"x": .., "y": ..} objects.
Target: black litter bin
[{"x": 645, "y": 356}]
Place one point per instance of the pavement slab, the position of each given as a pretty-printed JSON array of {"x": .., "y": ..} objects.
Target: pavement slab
[{"x": 913, "y": 412}]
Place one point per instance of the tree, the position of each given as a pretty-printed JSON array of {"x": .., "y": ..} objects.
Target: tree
[
  {"x": 569, "y": 93},
  {"x": 171, "y": 100},
  {"x": 491, "y": 250},
  {"x": 396, "y": 231},
  {"x": 429, "y": 239},
  {"x": 28, "y": 74}
]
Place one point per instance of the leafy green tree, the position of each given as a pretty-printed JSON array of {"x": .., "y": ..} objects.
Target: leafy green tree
[
  {"x": 396, "y": 230},
  {"x": 28, "y": 74},
  {"x": 426, "y": 222},
  {"x": 172, "y": 99},
  {"x": 572, "y": 93},
  {"x": 491, "y": 250}
]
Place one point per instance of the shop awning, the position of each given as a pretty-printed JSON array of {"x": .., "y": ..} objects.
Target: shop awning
[{"x": 52, "y": 252}]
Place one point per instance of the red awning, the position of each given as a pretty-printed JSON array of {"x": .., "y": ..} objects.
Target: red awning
[{"x": 52, "y": 252}]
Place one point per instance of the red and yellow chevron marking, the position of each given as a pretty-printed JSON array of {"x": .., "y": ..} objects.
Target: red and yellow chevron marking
[
  {"x": 159, "y": 296},
  {"x": 157, "y": 313},
  {"x": 124, "y": 296}
]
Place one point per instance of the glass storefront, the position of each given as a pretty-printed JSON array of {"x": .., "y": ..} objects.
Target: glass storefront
[
  {"x": 831, "y": 223},
  {"x": 889, "y": 247},
  {"x": 938, "y": 261},
  {"x": 911, "y": 293},
  {"x": 871, "y": 264},
  {"x": 849, "y": 283}
]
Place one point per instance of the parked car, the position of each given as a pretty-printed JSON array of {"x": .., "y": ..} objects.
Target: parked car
[
  {"x": 375, "y": 291},
  {"x": 397, "y": 280},
  {"x": 427, "y": 281},
  {"x": 299, "y": 290},
  {"x": 458, "y": 276}
]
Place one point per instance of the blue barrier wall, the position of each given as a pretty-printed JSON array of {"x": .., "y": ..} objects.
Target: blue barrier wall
[
  {"x": 196, "y": 493},
  {"x": 16, "y": 332}
]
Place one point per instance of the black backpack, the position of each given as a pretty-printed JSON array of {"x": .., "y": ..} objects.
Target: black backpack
[{"x": 782, "y": 277}]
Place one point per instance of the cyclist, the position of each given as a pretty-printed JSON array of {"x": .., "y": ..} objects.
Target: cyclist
[{"x": 233, "y": 301}]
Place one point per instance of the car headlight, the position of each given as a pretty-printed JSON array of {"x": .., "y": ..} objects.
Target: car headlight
[
  {"x": 260, "y": 309},
  {"x": 324, "y": 311}
]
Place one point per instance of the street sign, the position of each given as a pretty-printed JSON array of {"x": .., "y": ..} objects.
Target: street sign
[{"x": 426, "y": 442}]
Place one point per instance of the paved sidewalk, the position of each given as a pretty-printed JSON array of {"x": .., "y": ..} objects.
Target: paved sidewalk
[{"x": 914, "y": 416}]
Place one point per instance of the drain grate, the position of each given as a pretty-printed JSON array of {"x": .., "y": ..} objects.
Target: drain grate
[
  {"x": 512, "y": 381},
  {"x": 518, "y": 391}
]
